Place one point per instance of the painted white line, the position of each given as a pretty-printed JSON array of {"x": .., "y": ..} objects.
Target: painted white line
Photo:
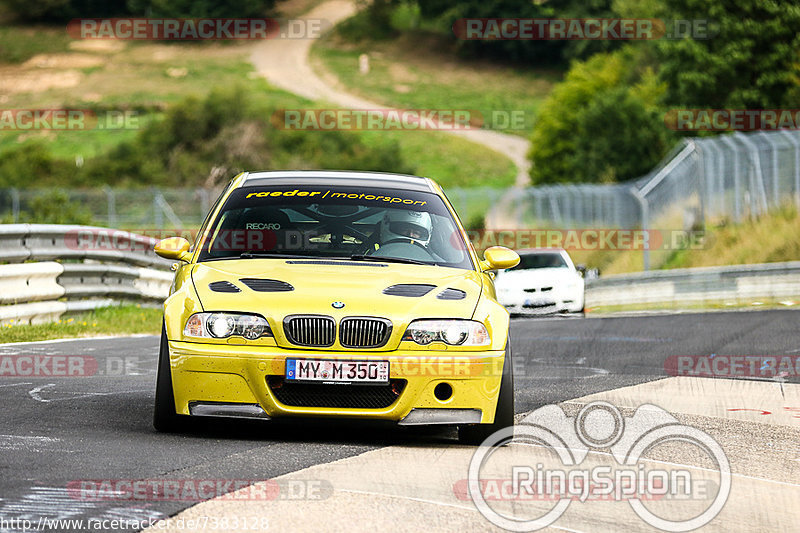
[
  {"x": 75, "y": 395},
  {"x": 34, "y": 393},
  {"x": 16, "y": 442},
  {"x": 15, "y": 385}
]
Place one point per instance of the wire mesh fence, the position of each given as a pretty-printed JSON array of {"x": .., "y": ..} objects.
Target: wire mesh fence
[
  {"x": 131, "y": 209},
  {"x": 733, "y": 177}
]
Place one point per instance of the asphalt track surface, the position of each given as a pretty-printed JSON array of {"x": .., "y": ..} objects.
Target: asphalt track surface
[{"x": 56, "y": 431}]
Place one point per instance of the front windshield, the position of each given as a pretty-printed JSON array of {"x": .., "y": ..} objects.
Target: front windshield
[
  {"x": 329, "y": 222},
  {"x": 545, "y": 260}
]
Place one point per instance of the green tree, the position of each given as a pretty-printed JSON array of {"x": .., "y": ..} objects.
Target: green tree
[
  {"x": 619, "y": 138},
  {"x": 530, "y": 52},
  {"x": 55, "y": 207},
  {"x": 602, "y": 123},
  {"x": 753, "y": 61},
  {"x": 201, "y": 8}
]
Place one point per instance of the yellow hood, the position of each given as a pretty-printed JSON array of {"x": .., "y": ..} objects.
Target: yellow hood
[{"x": 318, "y": 284}]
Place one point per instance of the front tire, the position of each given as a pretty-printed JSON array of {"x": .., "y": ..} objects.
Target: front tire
[
  {"x": 475, "y": 434},
  {"x": 165, "y": 419}
]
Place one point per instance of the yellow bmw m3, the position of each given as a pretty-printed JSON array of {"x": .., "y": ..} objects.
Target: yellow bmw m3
[{"x": 335, "y": 294}]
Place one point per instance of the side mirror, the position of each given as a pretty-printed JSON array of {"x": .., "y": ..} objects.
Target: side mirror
[
  {"x": 174, "y": 248},
  {"x": 581, "y": 270},
  {"x": 499, "y": 258}
]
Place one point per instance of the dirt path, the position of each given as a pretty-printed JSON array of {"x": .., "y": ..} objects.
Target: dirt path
[{"x": 285, "y": 64}]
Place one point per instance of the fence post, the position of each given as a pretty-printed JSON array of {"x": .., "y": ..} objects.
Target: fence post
[
  {"x": 758, "y": 178},
  {"x": 737, "y": 200},
  {"x": 158, "y": 215},
  {"x": 14, "y": 204},
  {"x": 796, "y": 143},
  {"x": 700, "y": 168},
  {"x": 774, "y": 149},
  {"x": 204, "y": 204},
  {"x": 644, "y": 211},
  {"x": 112, "y": 206}
]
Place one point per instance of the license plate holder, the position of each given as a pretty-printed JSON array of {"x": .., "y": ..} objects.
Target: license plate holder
[{"x": 340, "y": 371}]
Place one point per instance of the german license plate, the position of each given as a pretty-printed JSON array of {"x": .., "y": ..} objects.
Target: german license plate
[{"x": 336, "y": 371}]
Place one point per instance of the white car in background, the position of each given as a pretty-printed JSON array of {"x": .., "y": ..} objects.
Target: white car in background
[{"x": 545, "y": 281}]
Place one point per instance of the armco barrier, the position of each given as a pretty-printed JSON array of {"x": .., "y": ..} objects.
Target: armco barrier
[
  {"x": 44, "y": 242},
  {"x": 676, "y": 287},
  {"x": 98, "y": 267}
]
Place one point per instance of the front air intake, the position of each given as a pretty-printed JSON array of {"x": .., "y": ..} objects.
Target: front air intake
[{"x": 336, "y": 395}]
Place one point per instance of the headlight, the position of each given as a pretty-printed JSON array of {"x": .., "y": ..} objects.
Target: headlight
[
  {"x": 223, "y": 325},
  {"x": 452, "y": 332}
]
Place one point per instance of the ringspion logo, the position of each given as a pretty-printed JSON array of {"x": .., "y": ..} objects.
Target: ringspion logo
[{"x": 624, "y": 475}]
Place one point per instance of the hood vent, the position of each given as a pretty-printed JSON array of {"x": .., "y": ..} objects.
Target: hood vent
[
  {"x": 223, "y": 286},
  {"x": 267, "y": 285},
  {"x": 410, "y": 290},
  {"x": 452, "y": 294}
]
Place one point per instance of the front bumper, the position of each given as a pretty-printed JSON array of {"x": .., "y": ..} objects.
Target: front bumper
[
  {"x": 216, "y": 374},
  {"x": 543, "y": 303}
]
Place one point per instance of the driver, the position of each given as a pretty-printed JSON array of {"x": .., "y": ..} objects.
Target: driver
[{"x": 407, "y": 225}]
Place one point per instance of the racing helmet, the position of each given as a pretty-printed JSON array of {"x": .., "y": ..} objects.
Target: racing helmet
[{"x": 402, "y": 224}]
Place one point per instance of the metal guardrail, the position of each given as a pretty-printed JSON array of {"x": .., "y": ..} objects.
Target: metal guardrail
[
  {"x": 98, "y": 267},
  {"x": 45, "y": 242},
  {"x": 676, "y": 287}
]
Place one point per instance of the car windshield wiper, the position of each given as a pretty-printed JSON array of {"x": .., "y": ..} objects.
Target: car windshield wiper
[
  {"x": 275, "y": 255},
  {"x": 389, "y": 260}
]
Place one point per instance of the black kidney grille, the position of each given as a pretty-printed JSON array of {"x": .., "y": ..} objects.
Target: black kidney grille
[
  {"x": 452, "y": 294},
  {"x": 223, "y": 286},
  {"x": 364, "y": 332},
  {"x": 310, "y": 330},
  {"x": 336, "y": 395},
  {"x": 411, "y": 290},
  {"x": 267, "y": 285}
]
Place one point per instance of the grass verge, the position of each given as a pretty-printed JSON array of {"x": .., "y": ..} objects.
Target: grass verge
[
  {"x": 121, "y": 320},
  {"x": 417, "y": 71},
  {"x": 709, "y": 305},
  {"x": 770, "y": 238}
]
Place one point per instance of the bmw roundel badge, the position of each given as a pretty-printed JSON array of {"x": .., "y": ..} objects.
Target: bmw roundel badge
[{"x": 337, "y": 305}]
